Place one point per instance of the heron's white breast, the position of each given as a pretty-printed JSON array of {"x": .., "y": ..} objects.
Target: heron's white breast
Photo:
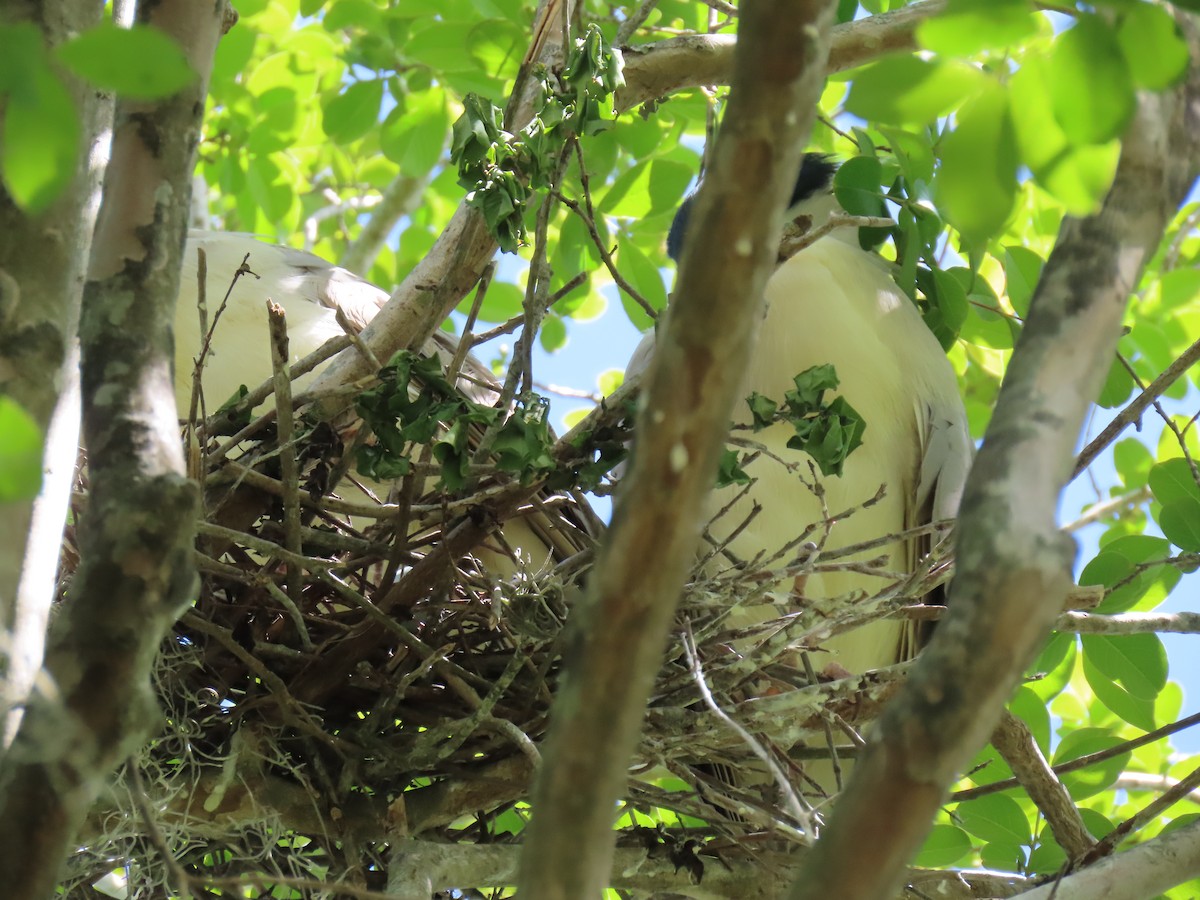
[
  {"x": 834, "y": 303},
  {"x": 240, "y": 351}
]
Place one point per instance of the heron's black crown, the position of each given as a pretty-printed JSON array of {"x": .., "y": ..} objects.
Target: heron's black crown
[{"x": 816, "y": 174}]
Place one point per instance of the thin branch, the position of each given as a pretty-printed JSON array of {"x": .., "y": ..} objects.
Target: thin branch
[
  {"x": 1133, "y": 412},
  {"x": 1083, "y": 762},
  {"x": 1114, "y": 506},
  {"x": 1017, "y": 747},
  {"x": 663, "y": 67},
  {"x": 800, "y": 811},
  {"x": 288, "y": 465},
  {"x": 1129, "y": 623},
  {"x": 587, "y": 215},
  {"x": 1146, "y": 814},
  {"x": 634, "y": 21}
]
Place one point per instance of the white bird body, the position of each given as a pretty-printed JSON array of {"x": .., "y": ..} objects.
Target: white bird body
[
  {"x": 308, "y": 288},
  {"x": 835, "y": 303},
  {"x": 894, "y": 373},
  {"x": 311, "y": 291}
]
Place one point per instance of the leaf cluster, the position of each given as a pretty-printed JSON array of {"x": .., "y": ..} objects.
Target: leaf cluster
[
  {"x": 502, "y": 170},
  {"x": 828, "y": 431},
  {"x": 415, "y": 405}
]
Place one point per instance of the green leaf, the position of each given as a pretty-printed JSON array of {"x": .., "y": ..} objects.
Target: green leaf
[
  {"x": 139, "y": 62},
  {"x": 441, "y": 46},
  {"x": 948, "y": 306},
  {"x": 1047, "y": 857},
  {"x": 996, "y": 817},
  {"x": 1137, "y": 711},
  {"x": 644, "y": 276},
  {"x": 503, "y": 301},
  {"x": 1154, "y": 49},
  {"x": 762, "y": 411},
  {"x": 378, "y": 464},
  {"x": 353, "y": 14},
  {"x": 475, "y": 132},
  {"x": 1002, "y": 856},
  {"x": 414, "y": 138},
  {"x": 1137, "y": 661},
  {"x": 20, "y": 453},
  {"x": 523, "y": 444},
  {"x": 1179, "y": 287},
  {"x": 1052, "y": 670},
  {"x": 501, "y": 198},
  {"x": 24, "y": 50},
  {"x": 668, "y": 182},
  {"x": 977, "y": 183},
  {"x": 273, "y": 195},
  {"x": 629, "y": 194},
  {"x": 583, "y": 304},
  {"x": 944, "y": 846},
  {"x": 1095, "y": 778},
  {"x": 1117, "y": 563},
  {"x": 1089, "y": 82},
  {"x": 1078, "y": 177},
  {"x": 1117, "y": 386},
  {"x": 969, "y": 26},
  {"x": 354, "y": 112},
  {"x": 1180, "y": 522},
  {"x": 40, "y": 139},
  {"x": 831, "y": 436},
  {"x": 553, "y": 333},
  {"x": 856, "y": 184},
  {"x": 1133, "y": 461},
  {"x": 729, "y": 469},
  {"x": 810, "y": 386},
  {"x": 1172, "y": 480},
  {"x": 1022, "y": 269},
  {"x": 902, "y": 89},
  {"x": 1031, "y": 709},
  {"x": 609, "y": 380},
  {"x": 1097, "y": 824}
]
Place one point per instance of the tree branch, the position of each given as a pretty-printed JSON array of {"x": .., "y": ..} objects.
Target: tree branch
[
  {"x": 658, "y": 69},
  {"x": 42, "y": 269},
  {"x": 1015, "y": 744},
  {"x": 1146, "y": 870},
  {"x": 135, "y": 574},
  {"x": 621, "y": 626},
  {"x": 1014, "y": 566}
]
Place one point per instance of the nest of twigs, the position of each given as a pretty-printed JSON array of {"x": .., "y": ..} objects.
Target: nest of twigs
[{"x": 385, "y": 667}]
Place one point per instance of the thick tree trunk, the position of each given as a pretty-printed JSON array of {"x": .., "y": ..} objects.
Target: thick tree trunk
[
  {"x": 1014, "y": 564},
  {"x": 135, "y": 574},
  {"x": 622, "y": 626},
  {"x": 43, "y": 263}
]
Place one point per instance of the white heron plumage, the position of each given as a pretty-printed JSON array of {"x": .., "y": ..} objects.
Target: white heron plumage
[
  {"x": 311, "y": 291},
  {"x": 835, "y": 303}
]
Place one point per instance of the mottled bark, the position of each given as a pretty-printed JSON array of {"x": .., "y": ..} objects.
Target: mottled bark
[
  {"x": 1014, "y": 564},
  {"x": 135, "y": 574},
  {"x": 43, "y": 260},
  {"x": 621, "y": 628}
]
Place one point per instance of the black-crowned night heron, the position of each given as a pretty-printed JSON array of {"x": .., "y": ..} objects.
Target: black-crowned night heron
[
  {"x": 834, "y": 303},
  {"x": 311, "y": 291}
]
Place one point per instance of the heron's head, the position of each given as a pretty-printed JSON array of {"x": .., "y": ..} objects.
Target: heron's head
[{"x": 812, "y": 196}]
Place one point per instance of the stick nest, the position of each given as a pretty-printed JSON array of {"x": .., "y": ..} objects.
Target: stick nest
[{"x": 389, "y": 673}]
